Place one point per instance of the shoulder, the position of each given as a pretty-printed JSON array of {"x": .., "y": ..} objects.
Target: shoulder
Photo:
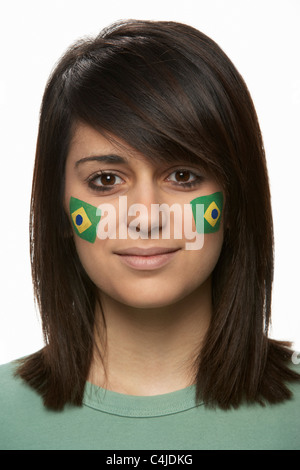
[
  {"x": 278, "y": 424},
  {"x": 13, "y": 389},
  {"x": 8, "y": 381},
  {"x": 254, "y": 426},
  {"x": 283, "y": 419},
  {"x": 15, "y": 394},
  {"x": 20, "y": 405},
  {"x": 292, "y": 384}
]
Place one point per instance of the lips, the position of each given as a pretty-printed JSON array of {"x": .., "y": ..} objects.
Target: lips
[
  {"x": 135, "y": 251},
  {"x": 147, "y": 258}
]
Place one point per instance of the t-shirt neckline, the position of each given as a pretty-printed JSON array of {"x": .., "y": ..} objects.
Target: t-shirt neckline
[{"x": 139, "y": 406}]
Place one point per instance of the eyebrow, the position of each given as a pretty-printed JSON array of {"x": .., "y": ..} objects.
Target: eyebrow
[{"x": 102, "y": 159}]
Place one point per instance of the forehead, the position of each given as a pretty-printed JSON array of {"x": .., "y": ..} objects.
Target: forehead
[{"x": 87, "y": 141}]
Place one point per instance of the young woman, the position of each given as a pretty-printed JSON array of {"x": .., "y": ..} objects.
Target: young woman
[{"x": 152, "y": 257}]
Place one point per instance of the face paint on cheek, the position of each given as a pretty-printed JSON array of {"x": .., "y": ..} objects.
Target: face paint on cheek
[
  {"x": 213, "y": 206},
  {"x": 85, "y": 218}
]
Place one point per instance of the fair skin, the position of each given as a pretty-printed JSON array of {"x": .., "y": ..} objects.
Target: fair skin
[{"x": 156, "y": 316}]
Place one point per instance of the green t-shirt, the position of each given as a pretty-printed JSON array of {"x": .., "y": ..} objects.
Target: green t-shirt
[{"x": 113, "y": 421}]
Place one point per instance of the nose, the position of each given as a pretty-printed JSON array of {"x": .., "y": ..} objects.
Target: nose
[{"x": 144, "y": 218}]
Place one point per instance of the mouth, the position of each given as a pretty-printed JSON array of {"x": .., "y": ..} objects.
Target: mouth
[{"x": 147, "y": 258}]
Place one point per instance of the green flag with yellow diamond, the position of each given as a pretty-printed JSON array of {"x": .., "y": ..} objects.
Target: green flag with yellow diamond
[
  {"x": 213, "y": 206},
  {"x": 85, "y": 219}
]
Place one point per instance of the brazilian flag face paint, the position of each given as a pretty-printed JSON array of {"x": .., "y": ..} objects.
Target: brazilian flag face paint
[
  {"x": 213, "y": 206},
  {"x": 85, "y": 219}
]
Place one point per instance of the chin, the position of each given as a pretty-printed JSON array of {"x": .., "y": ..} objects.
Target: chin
[
  {"x": 156, "y": 298},
  {"x": 149, "y": 303}
]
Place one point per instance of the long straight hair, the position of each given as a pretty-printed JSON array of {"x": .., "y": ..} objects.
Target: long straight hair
[{"x": 170, "y": 92}]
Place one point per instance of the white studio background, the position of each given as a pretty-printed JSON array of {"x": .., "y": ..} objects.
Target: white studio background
[{"x": 261, "y": 37}]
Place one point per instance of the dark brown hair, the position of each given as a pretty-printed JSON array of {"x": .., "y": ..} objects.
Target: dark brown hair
[{"x": 171, "y": 93}]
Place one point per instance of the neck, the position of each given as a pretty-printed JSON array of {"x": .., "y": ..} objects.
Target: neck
[{"x": 150, "y": 351}]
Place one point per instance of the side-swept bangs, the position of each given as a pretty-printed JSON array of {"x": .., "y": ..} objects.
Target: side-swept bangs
[
  {"x": 171, "y": 93},
  {"x": 153, "y": 97}
]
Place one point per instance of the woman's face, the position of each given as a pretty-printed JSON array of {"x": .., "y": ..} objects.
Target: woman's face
[{"x": 129, "y": 262}]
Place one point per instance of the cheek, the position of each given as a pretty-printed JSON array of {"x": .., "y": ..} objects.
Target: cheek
[
  {"x": 199, "y": 264},
  {"x": 93, "y": 258}
]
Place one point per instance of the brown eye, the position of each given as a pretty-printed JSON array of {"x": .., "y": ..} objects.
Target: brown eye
[
  {"x": 185, "y": 179},
  {"x": 107, "y": 179},
  {"x": 182, "y": 176}
]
